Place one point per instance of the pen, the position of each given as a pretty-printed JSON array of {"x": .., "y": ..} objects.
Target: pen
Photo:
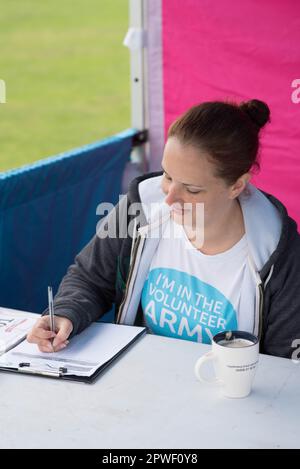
[{"x": 51, "y": 309}]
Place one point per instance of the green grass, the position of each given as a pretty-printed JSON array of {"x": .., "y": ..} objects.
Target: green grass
[{"x": 66, "y": 73}]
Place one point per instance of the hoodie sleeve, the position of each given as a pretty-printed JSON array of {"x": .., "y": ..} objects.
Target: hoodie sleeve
[
  {"x": 282, "y": 312},
  {"x": 88, "y": 291}
]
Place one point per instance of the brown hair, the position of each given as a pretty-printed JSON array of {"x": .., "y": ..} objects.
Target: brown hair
[{"x": 227, "y": 132}]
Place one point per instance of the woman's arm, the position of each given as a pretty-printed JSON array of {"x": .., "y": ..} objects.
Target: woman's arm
[
  {"x": 282, "y": 312},
  {"x": 87, "y": 291}
]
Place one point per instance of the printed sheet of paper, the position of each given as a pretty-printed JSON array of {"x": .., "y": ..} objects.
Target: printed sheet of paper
[{"x": 14, "y": 326}]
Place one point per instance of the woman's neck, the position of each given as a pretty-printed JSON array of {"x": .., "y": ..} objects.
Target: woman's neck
[{"x": 222, "y": 235}]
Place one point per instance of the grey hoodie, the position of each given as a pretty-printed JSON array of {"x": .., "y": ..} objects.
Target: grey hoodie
[{"x": 112, "y": 270}]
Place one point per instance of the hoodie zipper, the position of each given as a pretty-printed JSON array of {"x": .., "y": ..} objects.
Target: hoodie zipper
[
  {"x": 259, "y": 296},
  {"x": 262, "y": 287},
  {"x": 142, "y": 233},
  {"x": 260, "y": 310},
  {"x": 137, "y": 243}
]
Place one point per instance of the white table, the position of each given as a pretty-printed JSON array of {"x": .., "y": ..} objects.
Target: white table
[{"x": 149, "y": 398}]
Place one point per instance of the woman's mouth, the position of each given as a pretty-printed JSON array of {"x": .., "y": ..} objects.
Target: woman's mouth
[{"x": 178, "y": 209}]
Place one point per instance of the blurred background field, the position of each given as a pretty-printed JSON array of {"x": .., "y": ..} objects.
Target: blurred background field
[{"x": 66, "y": 73}]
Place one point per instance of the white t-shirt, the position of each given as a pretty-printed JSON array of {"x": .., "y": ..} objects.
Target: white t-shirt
[{"x": 191, "y": 295}]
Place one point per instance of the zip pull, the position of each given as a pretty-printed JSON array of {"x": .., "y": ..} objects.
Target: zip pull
[
  {"x": 269, "y": 276},
  {"x": 143, "y": 231},
  {"x": 135, "y": 240}
]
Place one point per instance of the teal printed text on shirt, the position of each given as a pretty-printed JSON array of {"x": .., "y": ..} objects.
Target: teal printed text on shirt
[{"x": 177, "y": 304}]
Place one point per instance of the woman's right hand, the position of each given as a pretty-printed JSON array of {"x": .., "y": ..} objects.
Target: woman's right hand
[{"x": 46, "y": 340}]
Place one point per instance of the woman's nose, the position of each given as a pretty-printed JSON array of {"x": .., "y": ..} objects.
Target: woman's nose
[{"x": 172, "y": 195}]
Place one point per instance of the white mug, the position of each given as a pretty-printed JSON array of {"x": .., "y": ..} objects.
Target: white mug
[{"x": 235, "y": 356}]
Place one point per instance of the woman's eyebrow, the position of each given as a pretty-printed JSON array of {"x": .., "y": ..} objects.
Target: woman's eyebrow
[{"x": 183, "y": 183}]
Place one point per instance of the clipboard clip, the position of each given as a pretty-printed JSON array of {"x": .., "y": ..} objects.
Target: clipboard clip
[{"x": 25, "y": 367}]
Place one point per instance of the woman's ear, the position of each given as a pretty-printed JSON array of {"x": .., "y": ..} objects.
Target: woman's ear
[{"x": 240, "y": 184}]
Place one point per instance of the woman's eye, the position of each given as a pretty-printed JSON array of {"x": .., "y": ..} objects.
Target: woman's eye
[
  {"x": 191, "y": 191},
  {"x": 167, "y": 177}
]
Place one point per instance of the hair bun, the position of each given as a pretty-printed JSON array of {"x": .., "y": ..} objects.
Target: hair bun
[{"x": 257, "y": 110}]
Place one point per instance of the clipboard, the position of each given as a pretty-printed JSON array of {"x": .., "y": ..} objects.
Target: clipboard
[{"x": 86, "y": 357}]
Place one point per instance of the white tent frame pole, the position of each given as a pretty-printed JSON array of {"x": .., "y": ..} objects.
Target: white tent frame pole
[
  {"x": 155, "y": 92},
  {"x": 139, "y": 119}
]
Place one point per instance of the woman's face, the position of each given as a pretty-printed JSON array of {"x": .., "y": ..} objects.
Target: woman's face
[{"x": 189, "y": 179}]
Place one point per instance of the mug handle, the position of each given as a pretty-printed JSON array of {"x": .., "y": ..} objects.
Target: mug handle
[{"x": 209, "y": 356}]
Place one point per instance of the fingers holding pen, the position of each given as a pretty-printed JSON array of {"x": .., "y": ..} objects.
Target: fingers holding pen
[
  {"x": 45, "y": 346},
  {"x": 50, "y": 341},
  {"x": 40, "y": 331},
  {"x": 64, "y": 328}
]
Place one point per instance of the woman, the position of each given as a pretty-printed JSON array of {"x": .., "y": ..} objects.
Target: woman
[{"x": 207, "y": 252}]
